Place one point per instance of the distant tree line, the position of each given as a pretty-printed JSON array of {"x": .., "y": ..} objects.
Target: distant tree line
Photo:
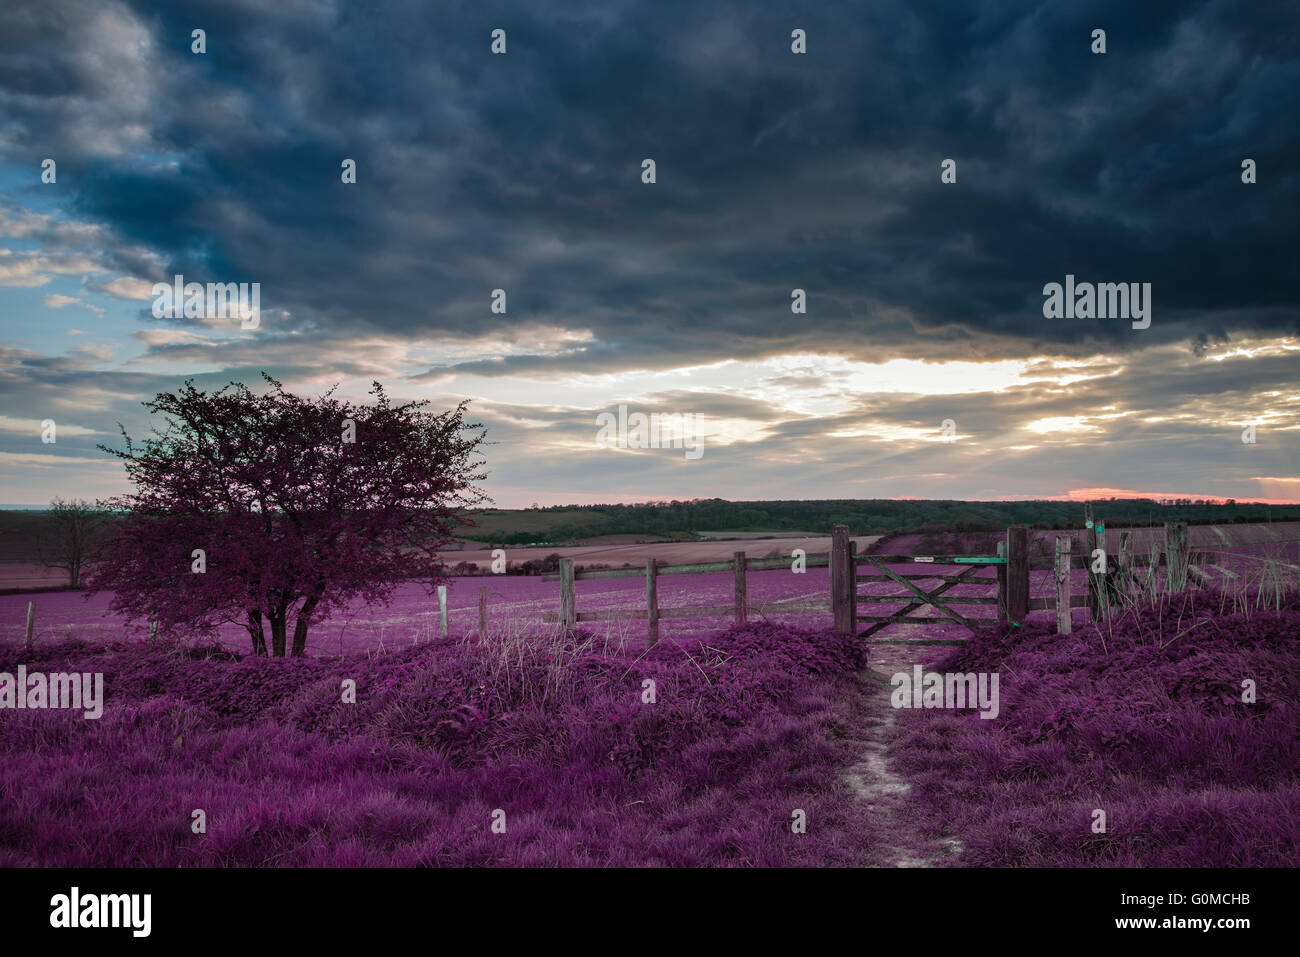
[{"x": 872, "y": 517}]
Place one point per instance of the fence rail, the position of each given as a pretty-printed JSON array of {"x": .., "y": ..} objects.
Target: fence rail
[
  {"x": 739, "y": 609},
  {"x": 1111, "y": 584}
]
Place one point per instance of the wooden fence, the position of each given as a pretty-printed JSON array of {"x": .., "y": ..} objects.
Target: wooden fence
[
  {"x": 739, "y": 609},
  {"x": 1125, "y": 575},
  {"x": 1112, "y": 580}
]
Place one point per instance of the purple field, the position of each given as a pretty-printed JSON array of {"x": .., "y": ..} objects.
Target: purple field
[
  {"x": 519, "y": 603},
  {"x": 746, "y": 730},
  {"x": 1140, "y": 716},
  {"x": 515, "y": 602},
  {"x": 1144, "y": 719}
]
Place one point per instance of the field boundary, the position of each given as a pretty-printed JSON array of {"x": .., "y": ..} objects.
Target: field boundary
[{"x": 740, "y": 607}]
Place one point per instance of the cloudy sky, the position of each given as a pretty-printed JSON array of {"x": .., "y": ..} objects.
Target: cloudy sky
[{"x": 774, "y": 171}]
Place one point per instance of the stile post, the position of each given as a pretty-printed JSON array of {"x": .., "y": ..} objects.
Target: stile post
[
  {"x": 27, "y": 638},
  {"x": 842, "y": 583},
  {"x": 1063, "y": 623},
  {"x": 1002, "y": 581},
  {"x": 482, "y": 610},
  {"x": 568, "y": 606},
  {"x": 1176, "y": 554},
  {"x": 742, "y": 592},
  {"x": 442, "y": 611},
  {"x": 1017, "y": 574},
  {"x": 652, "y": 601}
]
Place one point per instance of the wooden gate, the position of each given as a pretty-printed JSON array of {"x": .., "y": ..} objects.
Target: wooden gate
[
  {"x": 917, "y": 598},
  {"x": 1010, "y": 600}
]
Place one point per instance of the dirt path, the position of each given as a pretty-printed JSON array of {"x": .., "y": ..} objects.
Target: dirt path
[{"x": 882, "y": 791}]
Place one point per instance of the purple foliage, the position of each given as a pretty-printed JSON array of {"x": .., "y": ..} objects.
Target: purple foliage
[
  {"x": 1142, "y": 718},
  {"x": 749, "y": 725}
]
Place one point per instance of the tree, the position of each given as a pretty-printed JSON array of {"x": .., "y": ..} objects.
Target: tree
[
  {"x": 69, "y": 534},
  {"x": 274, "y": 509}
]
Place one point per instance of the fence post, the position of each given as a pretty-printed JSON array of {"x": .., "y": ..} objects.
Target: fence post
[
  {"x": 842, "y": 581},
  {"x": 442, "y": 611},
  {"x": 1176, "y": 554},
  {"x": 652, "y": 601},
  {"x": 27, "y": 639},
  {"x": 1103, "y": 577},
  {"x": 1002, "y": 582},
  {"x": 852, "y": 595},
  {"x": 1090, "y": 545},
  {"x": 742, "y": 593},
  {"x": 482, "y": 610},
  {"x": 1063, "y": 623},
  {"x": 1017, "y": 574},
  {"x": 568, "y": 609}
]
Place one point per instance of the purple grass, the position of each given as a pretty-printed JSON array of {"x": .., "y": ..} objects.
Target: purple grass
[
  {"x": 1143, "y": 719},
  {"x": 748, "y": 726}
]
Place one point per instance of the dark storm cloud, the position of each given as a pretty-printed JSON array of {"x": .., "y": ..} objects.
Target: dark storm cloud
[{"x": 775, "y": 171}]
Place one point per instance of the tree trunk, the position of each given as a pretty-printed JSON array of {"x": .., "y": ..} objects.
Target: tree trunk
[
  {"x": 279, "y": 627},
  {"x": 301, "y": 624},
  {"x": 255, "y": 631}
]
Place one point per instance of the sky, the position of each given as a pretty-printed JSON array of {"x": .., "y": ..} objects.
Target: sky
[{"x": 925, "y": 364}]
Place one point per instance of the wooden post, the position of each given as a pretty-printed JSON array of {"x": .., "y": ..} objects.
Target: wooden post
[
  {"x": 652, "y": 601},
  {"x": 742, "y": 593},
  {"x": 442, "y": 611},
  {"x": 1104, "y": 576},
  {"x": 568, "y": 606},
  {"x": 1094, "y": 606},
  {"x": 1176, "y": 554},
  {"x": 1017, "y": 574},
  {"x": 852, "y": 595},
  {"x": 482, "y": 610},
  {"x": 27, "y": 639},
  {"x": 1063, "y": 623},
  {"x": 1002, "y": 582},
  {"x": 842, "y": 581}
]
